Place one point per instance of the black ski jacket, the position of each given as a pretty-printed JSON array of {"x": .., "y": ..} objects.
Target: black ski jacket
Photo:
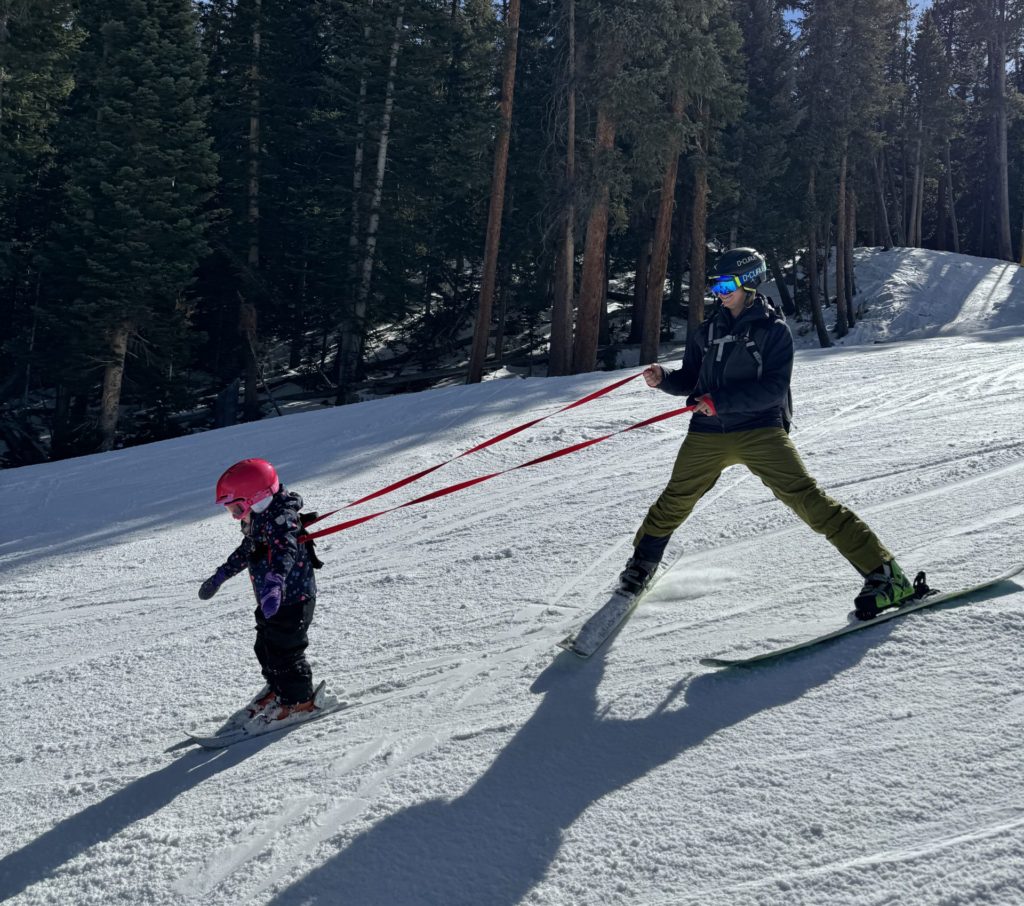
[
  {"x": 720, "y": 360},
  {"x": 271, "y": 545}
]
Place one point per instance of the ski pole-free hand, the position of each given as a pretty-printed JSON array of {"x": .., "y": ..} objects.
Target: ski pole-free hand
[
  {"x": 270, "y": 596},
  {"x": 209, "y": 588},
  {"x": 654, "y": 374}
]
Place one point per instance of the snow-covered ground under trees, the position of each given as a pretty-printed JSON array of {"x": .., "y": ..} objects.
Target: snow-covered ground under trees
[{"x": 486, "y": 768}]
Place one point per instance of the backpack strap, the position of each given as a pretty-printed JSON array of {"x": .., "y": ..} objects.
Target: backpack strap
[
  {"x": 720, "y": 342},
  {"x": 755, "y": 353},
  {"x": 748, "y": 340}
]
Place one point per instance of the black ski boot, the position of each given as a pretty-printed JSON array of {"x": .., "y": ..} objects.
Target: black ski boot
[{"x": 637, "y": 575}]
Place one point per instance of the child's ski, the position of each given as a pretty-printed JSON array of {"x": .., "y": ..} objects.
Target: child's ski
[
  {"x": 928, "y": 600},
  {"x": 238, "y": 731}
]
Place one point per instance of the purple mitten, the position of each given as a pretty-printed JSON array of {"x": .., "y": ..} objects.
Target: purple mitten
[
  {"x": 209, "y": 588},
  {"x": 270, "y": 596}
]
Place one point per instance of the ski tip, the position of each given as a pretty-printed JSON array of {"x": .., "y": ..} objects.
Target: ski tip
[{"x": 214, "y": 742}]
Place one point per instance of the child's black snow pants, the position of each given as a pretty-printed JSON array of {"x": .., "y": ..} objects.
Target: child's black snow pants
[{"x": 281, "y": 643}]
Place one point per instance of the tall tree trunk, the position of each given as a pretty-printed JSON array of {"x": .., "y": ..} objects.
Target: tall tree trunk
[
  {"x": 38, "y": 281},
  {"x": 593, "y": 287},
  {"x": 604, "y": 332},
  {"x": 814, "y": 290},
  {"x": 251, "y": 406},
  {"x": 953, "y": 225},
  {"x": 882, "y": 214},
  {"x": 1000, "y": 153},
  {"x": 919, "y": 226},
  {"x": 504, "y": 287},
  {"x": 942, "y": 216},
  {"x": 353, "y": 336},
  {"x": 923, "y": 164},
  {"x": 113, "y": 376},
  {"x": 699, "y": 222},
  {"x": 682, "y": 243},
  {"x": 482, "y": 330},
  {"x": 827, "y": 252},
  {"x": 5, "y": 18},
  {"x": 983, "y": 219},
  {"x": 905, "y": 217},
  {"x": 560, "y": 355},
  {"x": 901, "y": 233},
  {"x": 913, "y": 238},
  {"x": 299, "y": 326},
  {"x": 651, "y": 337},
  {"x": 780, "y": 283},
  {"x": 357, "y": 174},
  {"x": 640, "y": 290},
  {"x": 796, "y": 287},
  {"x": 842, "y": 303},
  {"x": 848, "y": 244},
  {"x": 824, "y": 340}
]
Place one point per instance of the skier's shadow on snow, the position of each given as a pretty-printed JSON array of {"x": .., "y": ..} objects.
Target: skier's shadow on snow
[
  {"x": 493, "y": 844},
  {"x": 140, "y": 799}
]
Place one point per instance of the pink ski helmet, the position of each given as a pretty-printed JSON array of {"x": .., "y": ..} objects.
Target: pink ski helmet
[{"x": 246, "y": 483}]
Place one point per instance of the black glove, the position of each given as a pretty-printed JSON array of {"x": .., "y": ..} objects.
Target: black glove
[{"x": 209, "y": 588}]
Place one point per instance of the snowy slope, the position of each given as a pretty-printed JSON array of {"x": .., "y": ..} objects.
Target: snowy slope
[{"x": 484, "y": 770}]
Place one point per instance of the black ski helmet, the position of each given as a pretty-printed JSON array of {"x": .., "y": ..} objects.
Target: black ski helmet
[{"x": 748, "y": 266}]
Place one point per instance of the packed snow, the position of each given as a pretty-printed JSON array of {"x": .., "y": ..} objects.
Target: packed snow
[{"x": 484, "y": 767}]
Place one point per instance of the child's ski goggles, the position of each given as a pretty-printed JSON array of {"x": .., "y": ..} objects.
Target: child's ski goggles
[
  {"x": 722, "y": 286},
  {"x": 239, "y": 508}
]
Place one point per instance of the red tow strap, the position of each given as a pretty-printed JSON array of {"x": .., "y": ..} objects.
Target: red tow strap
[
  {"x": 462, "y": 485},
  {"x": 487, "y": 443}
]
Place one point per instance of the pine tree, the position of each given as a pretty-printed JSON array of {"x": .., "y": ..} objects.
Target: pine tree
[
  {"x": 623, "y": 78},
  {"x": 719, "y": 89},
  {"x": 560, "y": 352},
  {"x": 482, "y": 331},
  {"x": 844, "y": 89},
  {"x": 38, "y": 41},
  {"x": 934, "y": 112},
  {"x": 996, "y": 18},
  {"x": 764, "y": 139},
  {"x": 980, "y": 38},
  {"x": 139, "y": 169},
  {"x": 704, "y": 42}
]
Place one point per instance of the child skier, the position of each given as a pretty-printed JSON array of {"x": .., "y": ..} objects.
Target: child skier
[
  {"x": 736, "y": 369},
  {"x": 281, "y": 570}
]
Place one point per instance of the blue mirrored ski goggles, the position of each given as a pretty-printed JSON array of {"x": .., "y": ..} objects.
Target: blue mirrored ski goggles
[{"x": 722, "y": 286}]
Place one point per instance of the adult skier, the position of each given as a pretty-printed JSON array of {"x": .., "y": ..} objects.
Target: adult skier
[
  {"x": 736, "y": 369},
  {"x": 281, "y": 570}
]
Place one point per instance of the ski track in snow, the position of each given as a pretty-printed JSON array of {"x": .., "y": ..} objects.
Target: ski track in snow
[{"x": 481, "y": 768}]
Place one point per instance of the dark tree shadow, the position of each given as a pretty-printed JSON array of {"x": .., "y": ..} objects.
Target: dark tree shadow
[
  {"x": 99, "y": 822},
  {"x": 498, "y": 840}
]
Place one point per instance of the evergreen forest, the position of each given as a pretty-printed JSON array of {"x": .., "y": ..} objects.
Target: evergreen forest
[{"x": 210, "y": 208}]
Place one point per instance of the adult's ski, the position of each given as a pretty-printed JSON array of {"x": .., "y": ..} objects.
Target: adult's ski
[
  {"x": 600, "y": 627},
  {"x": 928, "y": 599}
]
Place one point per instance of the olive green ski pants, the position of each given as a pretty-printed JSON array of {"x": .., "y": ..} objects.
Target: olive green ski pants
[{"x": 771, "y": 456}]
